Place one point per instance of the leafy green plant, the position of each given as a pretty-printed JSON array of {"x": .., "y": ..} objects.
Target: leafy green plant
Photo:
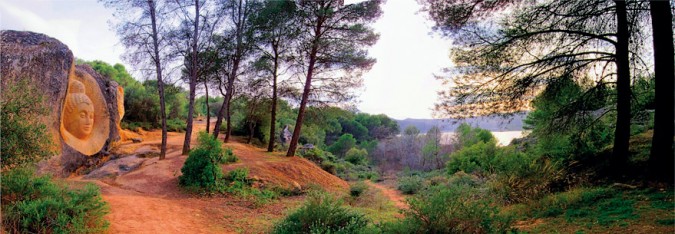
[
  {"x": 454, "y": 209},
  {"x": 237, "y": 183},
  {"x": 24, "y": 139},
  {"x": 356, "y": 156},
  {"x": 175, "y": 125},
  {"x": 322, "y": 213},
  {"x": 33, "y": 204},
  {"x": 202, "y": 167},
  {"x": 357, "y": 189},
  {"x": 410, "y": 184}
]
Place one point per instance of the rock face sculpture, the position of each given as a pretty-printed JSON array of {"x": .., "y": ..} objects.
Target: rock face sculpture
[
  {"x": 85, "y": 124},
  {"x": 83, "y": 104}
]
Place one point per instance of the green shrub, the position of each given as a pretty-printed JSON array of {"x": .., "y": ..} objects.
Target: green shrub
[
  {"x": 24, "y": 139},
  {"x": 176, "y": 125},
  {"x": 477, "y": 157},
  {"x": 329, "y": 167},
  {"x": 238, "y": 183},
  {"x": 528, "y": 185},
  {"x": 358, "y": 188},
  {"x": 342, "y": 145},
  {"x": 229, "y": 157},
  {"x": 322, "y": 213},
  {"x": 316, "y": 155},
  {"x": 356, "y": 156},
  {"x": 202, "y": 167},
  {"x": 410, "y": 184},
  {"x": 33, "y": 204},
  {"x": 455, "y": 209}
]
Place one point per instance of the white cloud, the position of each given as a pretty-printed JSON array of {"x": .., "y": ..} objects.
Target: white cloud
[{"x": 19, "y": 17}]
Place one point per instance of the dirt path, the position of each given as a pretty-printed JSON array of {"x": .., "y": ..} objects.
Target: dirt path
[
  {"x": 393, "y": 195},
  {"x": 149, "y": 200}
]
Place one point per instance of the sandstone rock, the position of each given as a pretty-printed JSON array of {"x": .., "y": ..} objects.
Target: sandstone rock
[
  {"x": 117, "y": 167},
  {"x": 136, "y": 140},
  {"x": 49, "y": 65}
]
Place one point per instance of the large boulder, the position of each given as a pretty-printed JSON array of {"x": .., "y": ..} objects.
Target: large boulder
[{"x": 83, "y": 105}]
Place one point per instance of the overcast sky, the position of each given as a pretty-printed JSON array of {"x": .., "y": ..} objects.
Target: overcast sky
[{"x": 400, "y": 84}]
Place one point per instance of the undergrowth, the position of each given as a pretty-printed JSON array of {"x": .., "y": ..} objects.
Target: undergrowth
[{"x": 36, "y": 204}]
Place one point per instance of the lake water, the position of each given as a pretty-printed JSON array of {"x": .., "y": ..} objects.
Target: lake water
[{"x": 503, "y": 138}]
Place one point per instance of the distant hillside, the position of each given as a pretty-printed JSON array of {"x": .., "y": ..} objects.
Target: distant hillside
[{"x": 492, "y": 123}]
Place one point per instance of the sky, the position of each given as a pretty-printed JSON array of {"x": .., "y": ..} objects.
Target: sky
[{"x": 401, "y": 84}]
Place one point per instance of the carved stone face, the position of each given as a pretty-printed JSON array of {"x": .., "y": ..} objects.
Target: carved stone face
[{"x": 80, "y": 119}]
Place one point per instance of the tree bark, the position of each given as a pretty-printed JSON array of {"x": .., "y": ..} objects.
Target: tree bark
[
  {"x": 661, "y": 159},
  {"x": 303, "y": 103},
  {"x": 160, "y": 81},
  {"x": 208, "y": 112},
  {"x": 221, "y": 112},
  {"x": 273, "y": 121},
  {"x": 193, "y": 83},
  {"x": 622, "y": 131},
  {"x": 228, "y": 98}
]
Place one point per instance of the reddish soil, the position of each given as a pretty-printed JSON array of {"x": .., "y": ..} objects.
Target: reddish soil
[
  {"x": 149, "y": 200},
  {"x": 393, "y": 195}
]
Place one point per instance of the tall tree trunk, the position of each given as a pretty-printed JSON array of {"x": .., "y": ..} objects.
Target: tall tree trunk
[
  {"x": 208, "y": 112},
  {"x": 661, "y": 159},
  {"x": 193, "y": 83},
  {"x": 160, "y": 81},
  {"x": 228, "y": 101},
  {"x": 622, "y": 131},
  {"x": 273, "y": 118},
  {"x": 303, "y": 103},
  {"x": 221, "y": 112},
  {"x": 251, "y": 128},
  {"x": 235, "y": 67}
]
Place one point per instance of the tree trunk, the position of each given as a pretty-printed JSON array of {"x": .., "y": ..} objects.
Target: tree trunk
[
  {"x": 273, "y": 118},
  {"x": 193, "y": 83},
  {"x": 303, "y": 103},
  {"x": 623, "y": 92},
  {"x": 228, "y": 101},
  {"x": 661, "y": 159},
  {"x": 208, "y": 112},
  {"x": 160, "y": 81},
  {"x": 221, "y": 112},
  {"x": 251, "y": 128}
]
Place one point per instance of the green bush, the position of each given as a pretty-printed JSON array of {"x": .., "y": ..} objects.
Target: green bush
[
  {"x": 238, "y": 183},
  {"x": 474, "y": 158},
  {"x": 33, "y": 204},
  {"x": 316, "y": 155},
  {"x": 356, "y": 156},
  {"x": 357, "y": 188},
  {"x": 176, "y": 125},
  {"x": 532, "y": 179},
  {"x": 455, "y": 209},
  {"x": 24, "y": 139},
  {"x": 410, "y": 184},
  {"x": 202, "y": 167},
  {"x": 342, "y": 145},
  {"x": 322, "y": 213},
  {"x": 329, "y": 167}
]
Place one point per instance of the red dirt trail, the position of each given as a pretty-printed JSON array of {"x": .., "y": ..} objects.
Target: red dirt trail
[{"x": 148, "y": 199}]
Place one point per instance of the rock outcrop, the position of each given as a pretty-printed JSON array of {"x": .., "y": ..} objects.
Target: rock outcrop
[{"x": 84, "y": 111}]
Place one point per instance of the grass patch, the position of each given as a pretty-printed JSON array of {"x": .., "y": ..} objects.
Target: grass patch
[
  {"x": 238, "y": 184},
  {"x": 599, "y": 209},
  {"x": 374, "y": 205}
]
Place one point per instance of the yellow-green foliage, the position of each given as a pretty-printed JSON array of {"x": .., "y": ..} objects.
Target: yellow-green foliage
[
  {"x": 24, "y": 139},
  {"x": 322, "y": 213},
  {"x": 454, "y": 209},
  {"x": 202, "y": 167},
  {"x": 33, "y": 204}
]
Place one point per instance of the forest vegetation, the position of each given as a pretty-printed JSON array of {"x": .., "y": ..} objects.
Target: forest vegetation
[{"x": 592, "y": 78}]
